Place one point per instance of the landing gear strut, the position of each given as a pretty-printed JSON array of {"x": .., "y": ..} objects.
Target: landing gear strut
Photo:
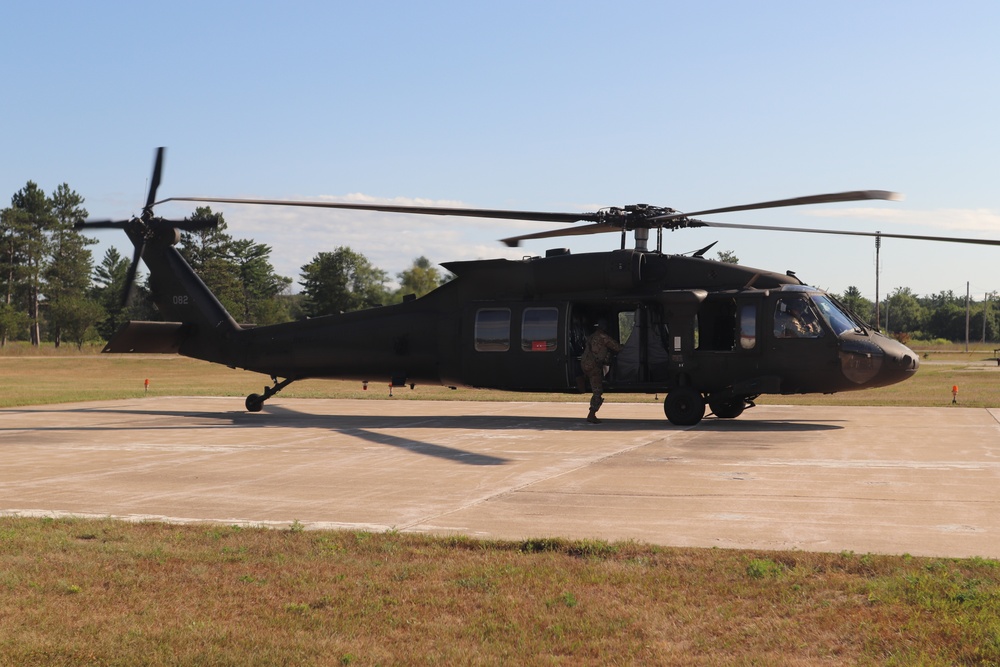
[{"x": 255, "y": 402}]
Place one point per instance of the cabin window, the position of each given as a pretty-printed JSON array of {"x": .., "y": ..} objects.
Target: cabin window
[
  {"x": 748, "y": 327},
  {"x": 493, "y": 330},
  {"x": 539, "y": 328}
]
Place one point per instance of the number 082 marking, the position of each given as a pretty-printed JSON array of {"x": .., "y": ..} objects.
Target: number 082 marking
[{"x": 180, "y": 300}]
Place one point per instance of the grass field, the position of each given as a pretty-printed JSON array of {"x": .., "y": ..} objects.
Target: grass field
[{"x": 103, "y": 592}]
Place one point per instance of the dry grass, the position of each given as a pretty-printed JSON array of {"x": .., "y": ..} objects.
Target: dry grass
[{"x": 109, "y": 593}]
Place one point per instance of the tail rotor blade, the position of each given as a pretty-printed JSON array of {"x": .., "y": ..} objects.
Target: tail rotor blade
[
  {"x": 130, "y": 276},
  {"x": 154, "y": 183},
  {"x": 100, "y": 224}
]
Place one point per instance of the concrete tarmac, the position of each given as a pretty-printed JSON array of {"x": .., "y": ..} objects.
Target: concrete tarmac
[{"x": 922, "y": 481}]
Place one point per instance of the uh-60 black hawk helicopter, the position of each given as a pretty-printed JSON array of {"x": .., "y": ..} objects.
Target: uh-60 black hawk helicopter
[{"x": 702, "y": 332}]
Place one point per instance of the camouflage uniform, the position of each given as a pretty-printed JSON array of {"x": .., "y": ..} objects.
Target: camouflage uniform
[{"x": 596, "y": 355}]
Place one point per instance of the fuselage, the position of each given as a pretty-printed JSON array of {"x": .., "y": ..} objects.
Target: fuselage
[{"x": 520, "y": 325}]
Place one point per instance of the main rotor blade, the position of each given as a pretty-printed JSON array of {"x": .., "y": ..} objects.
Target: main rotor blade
[
  {"x": 539, "y": 216},
  {"x": 154, "y": 184},
  {"x": 515, "y": 241},
  {"x": 192, "y": 225},
  {"x": 913, "y": 237},
  {"x": 854, "y": 195}
]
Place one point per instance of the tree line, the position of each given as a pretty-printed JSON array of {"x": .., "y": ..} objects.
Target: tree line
[
  {"x": 944, "y": 315},
  {"x": 53, "y": 291}
]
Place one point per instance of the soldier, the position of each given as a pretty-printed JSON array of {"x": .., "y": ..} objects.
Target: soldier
[
  {"x": 596, "y": 355},
  {"x": 795, "y": 319}
]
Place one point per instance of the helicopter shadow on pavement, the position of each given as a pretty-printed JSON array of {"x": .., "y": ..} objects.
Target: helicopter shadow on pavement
[
  {"x": 766, "y": 425},
  {"x": 371, "y": 428},
  {"x": 354, "y": 425}
]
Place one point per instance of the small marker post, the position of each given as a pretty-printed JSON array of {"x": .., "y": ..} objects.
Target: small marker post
[
  {"x": 954, "y": 393},
  {"x": 146, "y": 385}
]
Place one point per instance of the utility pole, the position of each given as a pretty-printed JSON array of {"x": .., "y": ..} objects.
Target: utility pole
[
  {"x": 986, "y": 308},
  {"x": 878, "y": 245},
  {"x": 966, "y": 316}
]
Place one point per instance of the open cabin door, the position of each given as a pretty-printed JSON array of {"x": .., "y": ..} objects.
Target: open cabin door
[
  {"x": 645, "y": 355},
  {"x": 638, "y": 327}
]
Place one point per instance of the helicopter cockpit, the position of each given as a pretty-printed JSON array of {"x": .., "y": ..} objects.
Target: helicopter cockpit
[
  {"x": 866, "y": 356},
  {"x": 800, "y": 308}
]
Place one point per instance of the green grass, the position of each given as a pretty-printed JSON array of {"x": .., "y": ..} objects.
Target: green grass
[{"x": 76, "y": 592}]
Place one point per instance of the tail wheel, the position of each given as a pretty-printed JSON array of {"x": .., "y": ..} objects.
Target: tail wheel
[
  {"x": 255, "y": 403},
  {"x": 728, "y": 409},
  {"x": 684, "y": 406}
]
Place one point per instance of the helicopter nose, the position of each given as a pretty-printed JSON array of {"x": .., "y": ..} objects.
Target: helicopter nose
[
  {"x": 899, "y": 362},
  {"x": 899, "y": 358},
  {"x": 876, "y": 361}
]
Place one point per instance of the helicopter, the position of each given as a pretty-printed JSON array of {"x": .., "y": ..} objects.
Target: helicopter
[{"x": 704, "y": 333}]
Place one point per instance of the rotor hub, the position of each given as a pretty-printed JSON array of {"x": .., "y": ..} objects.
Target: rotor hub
[{"x": 633, "y": 217}]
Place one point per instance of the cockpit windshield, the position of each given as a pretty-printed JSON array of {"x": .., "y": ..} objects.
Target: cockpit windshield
[{"x": 839, "y": 320}]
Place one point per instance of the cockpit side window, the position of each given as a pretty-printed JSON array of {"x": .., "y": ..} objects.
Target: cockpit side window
[
  {"x": 795, "y": 317},
  {"x": 839, "y": 320}
]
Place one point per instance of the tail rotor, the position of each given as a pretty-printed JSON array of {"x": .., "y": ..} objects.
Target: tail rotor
[{"x": 144, "y": 228}]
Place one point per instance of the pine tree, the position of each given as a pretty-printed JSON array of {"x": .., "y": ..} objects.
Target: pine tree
[
  {"x": 260, "y": 285},
  {"x": 67, "y": 273},
  {"x": 30, "y": 222},
  {"x": 107, "y": 290}
]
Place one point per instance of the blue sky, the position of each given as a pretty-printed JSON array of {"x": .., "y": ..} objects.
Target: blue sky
[{"x": 550, "y": 106}]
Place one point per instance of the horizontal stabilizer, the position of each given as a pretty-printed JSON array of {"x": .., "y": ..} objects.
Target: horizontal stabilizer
[{"x": 148, "y": 337}]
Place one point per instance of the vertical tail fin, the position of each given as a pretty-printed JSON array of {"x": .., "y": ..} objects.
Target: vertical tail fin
[{"x": 209, "y": 331}]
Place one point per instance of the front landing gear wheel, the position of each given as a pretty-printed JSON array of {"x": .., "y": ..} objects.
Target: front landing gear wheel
[
  {"x": 255, "y": 403},
  {"x": 684, "y": 406}
]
